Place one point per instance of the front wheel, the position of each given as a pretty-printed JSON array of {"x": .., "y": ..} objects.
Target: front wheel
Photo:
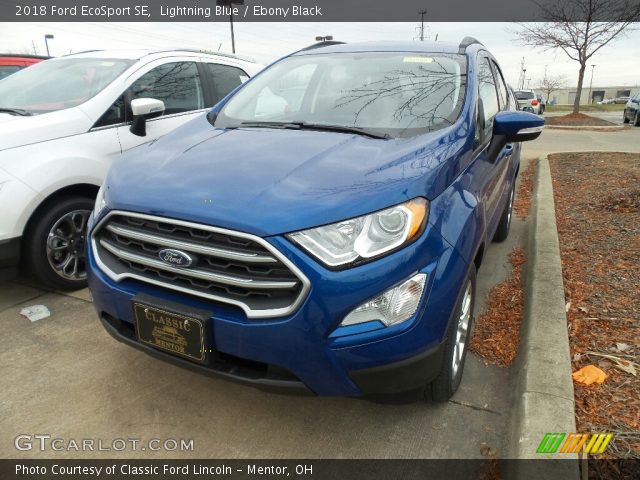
[
  {"x": 456, "y": 345},
  {"x": 636, "y": 119},
  {"x": 54, "y": 244}
]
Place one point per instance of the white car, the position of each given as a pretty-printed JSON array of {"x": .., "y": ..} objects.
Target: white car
[
  {"x": 64, "y": 120},
  {"x": 528, "y": 101}
]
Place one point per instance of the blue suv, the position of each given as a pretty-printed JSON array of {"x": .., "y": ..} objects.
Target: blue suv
[{"x": 321, "y": 227}]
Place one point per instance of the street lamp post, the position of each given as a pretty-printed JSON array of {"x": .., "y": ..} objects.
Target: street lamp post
[
  {"x": 230, "y": 3},
  {"x": 591, "y": 84},
  {"x": 47, "y": 37}
]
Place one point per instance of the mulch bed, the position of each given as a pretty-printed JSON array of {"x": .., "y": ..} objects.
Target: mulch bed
[
  {"x": 522, "y": 203},
  {"x": 597, "y": 198},
  {"x": 496, "y": 334},
  {"x": 577, "y": 120}
]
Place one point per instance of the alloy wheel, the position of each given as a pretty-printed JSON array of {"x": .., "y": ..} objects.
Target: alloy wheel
[
  {"x": 462, "y": 331},
  {"x": 66, "y": 245}
]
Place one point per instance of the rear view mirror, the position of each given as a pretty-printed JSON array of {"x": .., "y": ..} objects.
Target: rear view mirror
[
  {"x": 518, "y": 126},
  {"x": 142, "y": 109}
]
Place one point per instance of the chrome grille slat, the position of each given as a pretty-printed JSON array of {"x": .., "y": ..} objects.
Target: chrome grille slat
[
  {"x": 191, "y": 247},
  {"x": 192, "y": 272},
  {"x": 230, "y": 267}
]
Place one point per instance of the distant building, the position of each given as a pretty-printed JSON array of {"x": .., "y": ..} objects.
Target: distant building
[{"x": 566, "y": 96}]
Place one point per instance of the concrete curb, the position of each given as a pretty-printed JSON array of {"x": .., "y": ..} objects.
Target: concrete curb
[
  {"x": 593, "y": 128},
  {"x": 544, "y": 400}
]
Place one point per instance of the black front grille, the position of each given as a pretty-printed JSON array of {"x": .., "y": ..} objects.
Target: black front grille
[{"x": 227, "y": 266}]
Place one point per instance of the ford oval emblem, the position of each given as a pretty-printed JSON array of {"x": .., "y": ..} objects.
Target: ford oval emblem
[{"x": 175, "y": 257}]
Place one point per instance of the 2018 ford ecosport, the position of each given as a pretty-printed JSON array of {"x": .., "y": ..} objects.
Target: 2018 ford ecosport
[{"x": 320, "y": 227}]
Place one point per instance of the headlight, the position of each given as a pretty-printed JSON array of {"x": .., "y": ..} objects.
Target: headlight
[
  {"x": 100, "y": 203},
  {"x": 365, "y": 237},
  {"x": 396, "y": 305}
]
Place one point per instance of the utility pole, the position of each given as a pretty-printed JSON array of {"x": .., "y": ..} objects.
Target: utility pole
[
  {"x": 523, "y": 72},
  {"x": 35, "y": 50},
  {"x": 590, "y": 101},
  {"x": 230, "y": 4},
  {"x": 422, "y": 14}
]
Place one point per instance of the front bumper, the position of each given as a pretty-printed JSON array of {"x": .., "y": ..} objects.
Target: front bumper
[{"x": 308, "y": 350}]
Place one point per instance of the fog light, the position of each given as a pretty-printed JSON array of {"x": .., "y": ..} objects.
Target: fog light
[{"x": 396, "y": 305}]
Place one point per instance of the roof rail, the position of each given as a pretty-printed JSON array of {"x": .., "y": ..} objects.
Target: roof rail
[
  {"x": 207, "y": 52},
  {"x": 466, "y": 41},
  {"x": 322, "y": 44}
]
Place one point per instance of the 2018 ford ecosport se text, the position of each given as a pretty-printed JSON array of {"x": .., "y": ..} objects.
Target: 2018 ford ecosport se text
[{"x": 321, "y": 226}]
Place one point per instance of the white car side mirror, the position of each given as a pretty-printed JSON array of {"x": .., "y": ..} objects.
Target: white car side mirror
[
  {"x": 146, "y": 106},
  {"x": 143, "y": 108}
]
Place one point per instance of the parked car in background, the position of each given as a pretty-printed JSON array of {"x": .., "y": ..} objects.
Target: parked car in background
[
  {"x": 631, "y": 111},
  {"x": 62, "y": 123},
  {"x": 528, "y": 101},
  {"x": 621, "y": 100},
  {"x": 322, "y": 227},
  {"x": 543, "y": 104},
  {"x": 10, "y": 63}
]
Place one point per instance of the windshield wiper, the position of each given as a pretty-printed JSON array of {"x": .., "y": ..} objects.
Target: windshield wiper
[
  {"x": 316, "y": 126},
  {"x": 16, "y": 111}
]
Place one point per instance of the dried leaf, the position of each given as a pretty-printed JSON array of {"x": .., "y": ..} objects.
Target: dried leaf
[
  {"x": 622, "y": 347},
  {"x": 567, "y": 306},
  {"x": 589, "y": 374}
]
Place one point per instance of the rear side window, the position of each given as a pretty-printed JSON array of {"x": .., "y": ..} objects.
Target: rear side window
[
  {"x": 488, "y": 95},
  {"x": 502, "y": 88},
  {"x": 176, "y": 84},
  {"x": 224, "y": 78}
]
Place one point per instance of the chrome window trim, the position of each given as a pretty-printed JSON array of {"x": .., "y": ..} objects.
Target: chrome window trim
[{"x": 250, "y": 313}]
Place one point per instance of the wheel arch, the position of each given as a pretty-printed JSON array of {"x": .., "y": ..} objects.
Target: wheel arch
[{"x": 79, "y": 189}]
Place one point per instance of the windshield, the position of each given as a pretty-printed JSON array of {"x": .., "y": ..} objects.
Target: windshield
[
  {"x": 524, "y": 95},
  {"x": 58, "y": 84},
  {"x": 394, "y": 94}
]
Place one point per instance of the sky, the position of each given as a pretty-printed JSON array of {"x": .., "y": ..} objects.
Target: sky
[{"x": 617, "y": 64}]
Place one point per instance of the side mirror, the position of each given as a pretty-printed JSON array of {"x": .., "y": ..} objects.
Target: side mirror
[
  {"x": 142, "y": 109},
  {"x": 517, "y": 126}
]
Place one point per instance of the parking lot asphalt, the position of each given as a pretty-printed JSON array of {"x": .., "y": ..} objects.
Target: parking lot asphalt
[
  {"x": 624, "y": 140},
  {"x": 65, "y": 376}
]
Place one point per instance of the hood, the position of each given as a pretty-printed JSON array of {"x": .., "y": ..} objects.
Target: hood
[
  {"x": 17, "y": 130},
  {"x": 272, "y": 181}
]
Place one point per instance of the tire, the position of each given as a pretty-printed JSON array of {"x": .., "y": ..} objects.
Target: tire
[
  {"x": 624, "y": 116},
  {"x": 56, "y": 238},
  {"x": 456, "y": 345},
  {"x": 504, "y": 225},
  {"x": 636, "y": 120}
]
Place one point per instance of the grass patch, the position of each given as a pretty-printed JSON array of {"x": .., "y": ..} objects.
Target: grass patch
[{"x": 610, "y": 107}]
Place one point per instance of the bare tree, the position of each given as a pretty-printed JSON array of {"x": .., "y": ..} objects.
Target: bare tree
[
  {"x": 580, "y": 28},
  {"x": 548, "y": 85}
]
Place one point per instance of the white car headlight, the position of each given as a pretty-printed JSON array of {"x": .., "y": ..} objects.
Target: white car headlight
[
  {"x": 365, "y": 237},
  {"x": 100, "y": 203}
]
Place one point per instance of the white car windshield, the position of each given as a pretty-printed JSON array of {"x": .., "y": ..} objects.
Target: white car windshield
[
  {"x": 58, "y": 84},
  {"x": 396, "y": 94}
]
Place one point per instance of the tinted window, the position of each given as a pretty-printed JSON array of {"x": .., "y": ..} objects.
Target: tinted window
[
  {"x": 524, "y": 95},
  {"x": 488, "y": 95},
  {"x": 502, "y": 88},
  {"x": 225, "y": 79},
  {"x": 114, "y": 115},
  {"x": 397, "y": 94},
  {"x": 176, "y": 84}
]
